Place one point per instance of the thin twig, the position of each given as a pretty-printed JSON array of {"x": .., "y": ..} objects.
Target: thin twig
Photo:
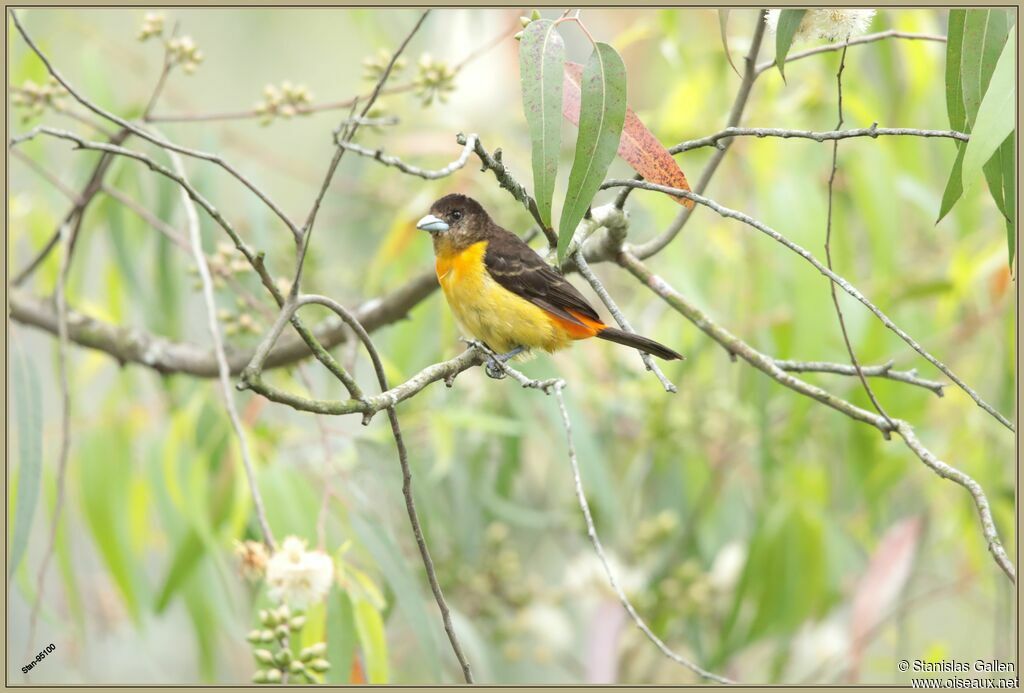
[
  {"x": 867, "y": 38},
  {"x": 824, "y": 136},
  {"x": 881, "y": 371},
  {"x": 192, "y": 217},
  {"x": 403, "y": 459},
  {"x": 767, "y": 365},
  {"x": 379, "y": 155},
  {"x": 595, "y": 283},
  {"x": 843, "y": 283},
  {"x": 60, "y": 299},
  {"x": 493, "y": 162},
  {"x": 148, "y": 136},
  {"x": 828, "y": 248},
  {"x": 581, "y": 498}
]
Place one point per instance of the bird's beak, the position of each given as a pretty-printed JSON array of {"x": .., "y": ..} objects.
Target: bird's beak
[{"x": 432, "y": 224}]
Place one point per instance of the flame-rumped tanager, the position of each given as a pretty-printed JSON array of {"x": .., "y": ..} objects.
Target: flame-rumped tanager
[{"x": 504, "y": 294}]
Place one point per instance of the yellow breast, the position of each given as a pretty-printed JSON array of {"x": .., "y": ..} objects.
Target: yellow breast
[{"x": 487, "y": 310}]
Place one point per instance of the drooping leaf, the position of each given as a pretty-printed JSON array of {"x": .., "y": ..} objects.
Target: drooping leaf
[
  {"x": 954, "y": 91},
  {"x": 723, "y": 24},
  {"x": 994, "y": 169},
  {"x": 370, "y": 628},
  {"x": 29, "y": 415},
  {"x": 602, "y": 113},
  {"x": 638, "y": 146},
  {"x": 785, "y": 32},
  {"x": 985, "y": 33},
  {"x": 954, "y": 185},
  {"x": 883, "y": 580},
  {"x": 541, "y": 55},
  {"x": 341, "y": 636},
  {"x": 995, "y": 116}
]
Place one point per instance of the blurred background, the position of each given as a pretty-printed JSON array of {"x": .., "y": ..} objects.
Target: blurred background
[{"x": 765, "y": 536}]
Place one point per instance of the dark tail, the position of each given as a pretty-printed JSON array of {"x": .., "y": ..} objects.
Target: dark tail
[{"x": 640, "y": 343}]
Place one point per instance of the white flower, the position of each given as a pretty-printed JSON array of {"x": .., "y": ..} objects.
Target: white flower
[
  {"x": 830, "y": 24},
  {"x": 546, "y": 625},
  {"x": 726, "y": 568},
  {"x": 298, "y": 577},
  {"x": 585, "y": 576}
]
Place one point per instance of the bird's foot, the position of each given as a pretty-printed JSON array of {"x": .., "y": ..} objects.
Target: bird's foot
[{"x": 495, "y": 368}]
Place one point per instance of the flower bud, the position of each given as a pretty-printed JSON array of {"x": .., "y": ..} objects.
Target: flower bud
[
  {"x": 266, "y": 636},
  {"x": 263, "y": 656},
  {"x": 518, "y": 36},
  {"x": 273, "y": 676},
  {"x": 297, "y": 667},
  {"x": 297, "y": 623},
  {"x": 254, "y": 636},
  {"x": 260, "y": 676},
  {"x": 318, "y": 650},
  {"x": 524, "y": 21},
  {"x": 320, "y": 665},
  {"x": 281, "y": 632},
  {"x": 535, "y": 15},
  {"x": 283, "y": 657}
]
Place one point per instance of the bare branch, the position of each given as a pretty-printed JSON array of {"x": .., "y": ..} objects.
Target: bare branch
[
  {"x": 824, "y": 136},
  {"x": 379, "y": 155},
  {"x": 192, "y": 217},
  {"x": 867, "y": 38},
  {"x": 768, "y": 366},
  {"x": 505, "y": 180},
  {"x": 882, "y": 371},
  {"x": 842, "y": 283},
  {"x": 131, "y": 345}
]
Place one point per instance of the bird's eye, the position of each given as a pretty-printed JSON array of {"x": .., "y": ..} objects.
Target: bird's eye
[{"x": 456, "y": 215}]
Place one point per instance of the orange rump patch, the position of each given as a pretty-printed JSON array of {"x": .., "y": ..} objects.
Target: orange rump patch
[{"x": 588, "y": 328}]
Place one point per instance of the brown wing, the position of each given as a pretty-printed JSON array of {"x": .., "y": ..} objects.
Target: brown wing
[{"x": 516, "y": 267}]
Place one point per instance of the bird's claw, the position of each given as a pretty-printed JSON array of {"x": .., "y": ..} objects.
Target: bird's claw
[{"x": 494, "y": 369}]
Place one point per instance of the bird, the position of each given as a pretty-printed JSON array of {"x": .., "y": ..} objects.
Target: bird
[{"x": 505, "y": 295}]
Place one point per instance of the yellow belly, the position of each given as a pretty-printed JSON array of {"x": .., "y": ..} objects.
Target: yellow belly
[{"x": 490, "y": 312}]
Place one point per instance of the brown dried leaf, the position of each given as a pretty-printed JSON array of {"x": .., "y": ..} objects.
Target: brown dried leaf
[{"x": 638, "y": 146}]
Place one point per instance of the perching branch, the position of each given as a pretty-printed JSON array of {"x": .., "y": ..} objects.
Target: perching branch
[
  {"x": 841, "y": 282},
  {"x": 768, "y": 366}
]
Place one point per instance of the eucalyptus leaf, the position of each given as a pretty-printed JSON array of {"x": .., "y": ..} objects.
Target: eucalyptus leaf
[
  {"x": 723, "y": 24},
  {"x": 541, "y": 56},
  {"x": 996, "y": 114},
  {"x": 602, "y": 114},
  {"x": 785, "y": 32},
  {"x": 29, "y": 416}
]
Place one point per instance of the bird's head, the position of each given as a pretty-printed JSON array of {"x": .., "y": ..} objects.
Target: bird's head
[{"x": 455, "y": 220}]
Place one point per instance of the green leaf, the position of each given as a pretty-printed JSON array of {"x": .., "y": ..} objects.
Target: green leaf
[
  {"x": 985, "y": 33},
  {"x": 723, "y": 24},
  {"x": 541, "y": 55},
  {"x": 789, "y": 22},
  {"x": 954, "y": 186},
  {"x": 187, "y": 555},
  {"x": 29, "y": 415},
  {"x": 370, "y": 627},
  {"x": 996, "y": 114},
  {"x": 341, "y": 636},
  {"x": 602, "y": 114},
  {"x": 954, "y": 91},
  {"x": 1000, "y": 163}
]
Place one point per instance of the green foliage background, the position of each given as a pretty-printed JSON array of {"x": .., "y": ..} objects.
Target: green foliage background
[{"x": 144, "y": 587}]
